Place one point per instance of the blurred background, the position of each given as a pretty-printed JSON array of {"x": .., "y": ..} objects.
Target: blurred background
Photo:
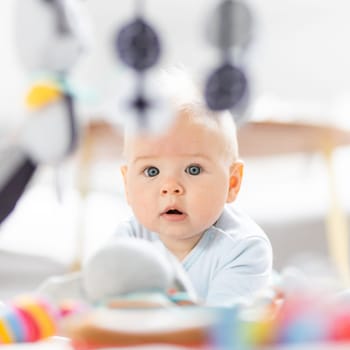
[{"x": 294, "y": 138}]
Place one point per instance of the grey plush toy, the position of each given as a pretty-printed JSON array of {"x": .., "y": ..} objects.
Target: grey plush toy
[{"x": 126, "y": 268}]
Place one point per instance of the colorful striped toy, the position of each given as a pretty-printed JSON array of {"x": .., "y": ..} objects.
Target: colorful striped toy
[{"x": 32, "y": 318}]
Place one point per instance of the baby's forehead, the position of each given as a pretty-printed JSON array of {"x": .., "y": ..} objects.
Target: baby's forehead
[
  {"x": 187, "y": 137},
  {"x": 184, "y": 128}
]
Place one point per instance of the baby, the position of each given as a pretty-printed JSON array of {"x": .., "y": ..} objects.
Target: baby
[{"x": 179, "y": 184}]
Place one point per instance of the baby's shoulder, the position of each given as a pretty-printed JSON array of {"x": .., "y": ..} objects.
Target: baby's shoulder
[
  {"x": 235, "y": 227},
  {"x": 238, "y": 240}
]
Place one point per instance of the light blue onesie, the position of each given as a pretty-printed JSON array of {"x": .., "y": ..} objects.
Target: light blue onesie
[{"x": 232, "y": 260}]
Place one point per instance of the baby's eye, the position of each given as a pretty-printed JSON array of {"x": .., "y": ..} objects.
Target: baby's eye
[
  {"x": 193, "y": 170},
  {"x": 151, "y": 171}
]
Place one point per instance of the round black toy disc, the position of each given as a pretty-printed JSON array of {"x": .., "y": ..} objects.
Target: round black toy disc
[
  {"x": 138, "y": 45},
  {"x": 225, "y": 87}
]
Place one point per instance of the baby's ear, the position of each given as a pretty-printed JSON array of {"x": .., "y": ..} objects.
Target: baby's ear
[
  {"x": 236, "y": 174},
  {"x": 124, "y": 171}
]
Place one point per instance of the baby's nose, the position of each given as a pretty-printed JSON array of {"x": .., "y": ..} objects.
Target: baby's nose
[{"x": 172, "y": 187}]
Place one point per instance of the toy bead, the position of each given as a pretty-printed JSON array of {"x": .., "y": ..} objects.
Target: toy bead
[
  {"x": 138, "y": 45},
  {"x": 32, "y": 331},
  {"x": 42, "y": 315},
  {"x": 225, "y": 87},
  {"x": 6, "y": 334}
]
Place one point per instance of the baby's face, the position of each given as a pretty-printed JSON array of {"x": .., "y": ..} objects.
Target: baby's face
[{"x": 177, "y": 184}]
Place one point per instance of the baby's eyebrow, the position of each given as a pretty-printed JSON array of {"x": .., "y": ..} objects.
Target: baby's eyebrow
[
  {"x": 145, "y": 157},
  {"x": 184, "y": 155},
  {"x": 198, "y": 155}
]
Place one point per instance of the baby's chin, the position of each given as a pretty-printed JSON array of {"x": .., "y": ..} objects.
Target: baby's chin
[
  {"x": 177, "y": 230},
  {"x": 179, "y": 234}
]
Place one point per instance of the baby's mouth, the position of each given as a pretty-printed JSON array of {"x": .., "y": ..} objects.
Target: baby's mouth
[{"x": 173, "y": 212}]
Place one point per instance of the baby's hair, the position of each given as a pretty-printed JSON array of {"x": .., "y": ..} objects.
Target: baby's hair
[{"x": 185, "y": 97}]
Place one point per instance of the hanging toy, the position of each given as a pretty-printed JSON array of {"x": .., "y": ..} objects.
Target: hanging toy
[
  {"x": 138, "y": 46},
  {"x": 230, "y": 31},
  {"x": 50, "y": 133},
  {"x": 50, "y": 37}
]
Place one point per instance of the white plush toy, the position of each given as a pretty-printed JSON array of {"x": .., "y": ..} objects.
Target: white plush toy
[
  {"x": 126, "y": 268},
  {"x": 50, "y": 37}
]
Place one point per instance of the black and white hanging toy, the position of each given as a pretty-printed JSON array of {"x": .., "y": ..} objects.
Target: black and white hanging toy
[
  {"x": 230, "y": 31},
  {"x": 138, "y": 46}
]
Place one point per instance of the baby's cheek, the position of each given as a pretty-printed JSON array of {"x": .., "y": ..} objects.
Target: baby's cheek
[
  {"x": 139, "y": 201},
  {"x": 212, "y": 206},
  {"x": 142, "y": 202},
  {"x": 136, "y": 189}
]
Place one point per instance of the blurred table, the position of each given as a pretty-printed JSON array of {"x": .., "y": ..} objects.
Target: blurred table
[
  {"x": 269, "y": 138},
  {"x": 256, "y": 139}
]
